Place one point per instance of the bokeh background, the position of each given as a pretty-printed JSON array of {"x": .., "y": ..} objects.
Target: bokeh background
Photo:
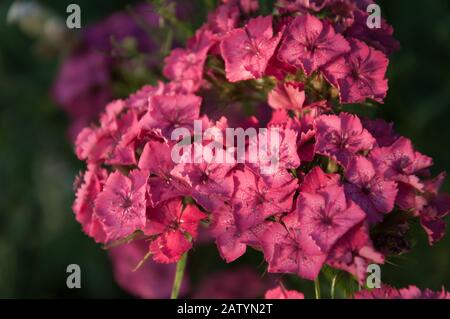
[{"x": 39, "y": 236}]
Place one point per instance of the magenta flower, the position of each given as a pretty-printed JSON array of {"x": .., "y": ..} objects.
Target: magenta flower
[
  {"x": 353, "y": 252},
  {"x": 436, "y": 207},
  {"x": 327, "y": 215},
  {"x": 163, "y": 185},
  {"x": 379, "y": 38},
  {"x": 186, "y": 65},
  {"x": 399, "y": 162},
  {"x": 224, "y": 19},
  {"x": 317, "y": 180},
  {"x": 280, "y": 292},
  {"x": 360, "y": 74},
  {"x": 369, "y": 190},
  {"x": 172, "y": 224},
  {"x": 341, "y": 137},
  {"x": 209, "y": 184},
  {"x": 310, "y": 43},
  {"x": 140, "y": 99},
  {"x": 92, "y": 182},
  {"x": 382, "y": 131},
  {"x": 287, "y": 96},
  {"x": 384, "y": 292},
  {"x": 306, "y": 142},
  {"x": 277, "y": 151},
  {"x": 121, "y": 205},
  {"x": 230, "y": 241},
  {"x": 113, "y": 140},
  {"x": 255, "y": 199},
  {"x": 288, "y": 249},
  {"x": 168, "y": 112},
  {"x": 247, "y": 51}
]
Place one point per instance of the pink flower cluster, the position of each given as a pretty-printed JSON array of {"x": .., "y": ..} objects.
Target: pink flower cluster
[{"x": 340, "y": 176}]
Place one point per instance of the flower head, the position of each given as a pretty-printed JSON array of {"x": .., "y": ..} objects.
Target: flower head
[
  {"x": 172, "y": 224},
  {"x": 327, "y": 215},
  {"x": 247, "y": 50},
  {"x": 122, "y": 203},
  {"x": 288, "y": 248},
  {"x": 370, "y": 191},
  {"x": 310, "y": 43},
  {"x": 360, "y": 74},
  {"x": 341, "y": 137}
]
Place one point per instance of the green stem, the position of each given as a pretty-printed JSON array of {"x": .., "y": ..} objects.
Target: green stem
[
  {"x": 181, "y": 265},
  {"x": 333, "y": 286},
  {"x": 317, "y": 287}
]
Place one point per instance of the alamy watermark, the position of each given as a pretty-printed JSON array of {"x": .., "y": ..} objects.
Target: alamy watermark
[
  {"x": 260, "y": 147},
  {"x": 73, "y": 20},
  {"x": 74, "y": 278}
]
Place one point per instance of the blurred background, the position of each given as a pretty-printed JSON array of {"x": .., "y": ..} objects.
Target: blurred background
[{"x": 39, "y": 236}]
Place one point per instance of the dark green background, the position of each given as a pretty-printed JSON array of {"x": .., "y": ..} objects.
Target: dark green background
[{"x": 39, "y": 236}]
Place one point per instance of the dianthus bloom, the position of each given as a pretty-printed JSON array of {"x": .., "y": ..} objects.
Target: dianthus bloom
[{"x": 343, "y": 189}]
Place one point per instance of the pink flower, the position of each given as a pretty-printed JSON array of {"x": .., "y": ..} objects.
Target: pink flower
[
  {"x": 113, "y": 140},
  {"x": 230, "y": 242},
  {"x": 140, "y": 99},
  {"x": 172, "y": 224},
  {"x": 163, "y": 185},
  {"x": 317, "y": 180},
  {"x": 287, "y": 96},
  {"x": 437, "y": 206},
  {"x": 280, "y": 292},
  {"x": 288, "y": 249},
  {"x": 247, "y": 50},
  {"x": 341, "y": 137},
  {"x": 209, "y": 184},
  {"x": 309, "y": 44},
  {"x": 368, "y": 189},
  {"x": 379, "y": 38},
  {"x": 255, "y": 199},
  {"x": 92, "y": 181},
  {"x": 151, "y": 280},
  {"x": 306, "y": 142},
  {"x": 399, "y": 162},
  {"x": 277, "y": 150},
  {"x": 121, "y": 204},
  {"x": 381, "y": 130},
  {"x": 168, "y": 112},
  {"x": 186, "y": 65},
  {"x": 360, "y": 74},
  {"x": 385, "y": 292},
  {"x": 327, "y": 215},
  {"x": 434, "y": 227},
  {"x": 224, "y": 19},
  {"x": 354, "y": 251}
]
